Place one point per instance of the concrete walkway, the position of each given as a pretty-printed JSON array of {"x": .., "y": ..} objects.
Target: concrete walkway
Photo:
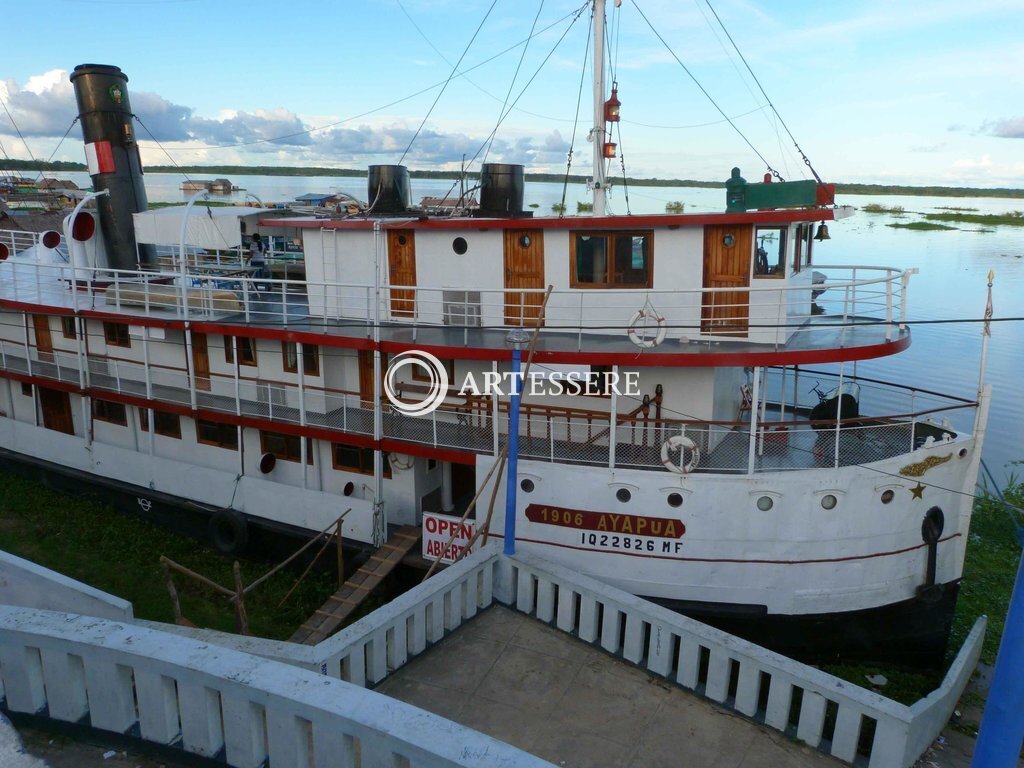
[{"x": 541, "y": 690}]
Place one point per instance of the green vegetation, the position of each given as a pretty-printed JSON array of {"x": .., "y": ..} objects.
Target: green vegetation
[
  {"x": 953, "y": 208},
  {"x": 93, "y": 543},
  {"x": 582, "y": 207},
  {"x": 674, "y": 206},
  {"x": 557, "y": 208},
  {"x": 993, "y": 553},
  {"x": 1011, "y": 218},
  {"x": 896, "y": 210},
  {"x": 920, "y": 226},
  {"x": 34, "y": 165},
  {"x": 208, "y": 203}
]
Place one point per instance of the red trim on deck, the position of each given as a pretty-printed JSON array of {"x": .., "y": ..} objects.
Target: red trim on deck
[
  {"x": 429, "y": 452},
  {"x": 323, "y": 338},
  {"x": 775, "y": 216},
  {"x": 35, "y": 309},
  {"x": 40, "y": 381}
]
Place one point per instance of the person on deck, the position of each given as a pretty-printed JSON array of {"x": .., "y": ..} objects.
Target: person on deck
[{"x": 258, "y": 257}]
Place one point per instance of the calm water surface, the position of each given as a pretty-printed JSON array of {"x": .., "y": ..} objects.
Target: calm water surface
[{"x": 951, "y": 285}]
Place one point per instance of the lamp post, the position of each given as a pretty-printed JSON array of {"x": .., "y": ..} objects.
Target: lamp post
[{"x": 517, "y": 337}]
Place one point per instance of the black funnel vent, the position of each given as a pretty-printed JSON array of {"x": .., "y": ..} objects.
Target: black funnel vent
[
  {"x": 501, "y": 190},
  {"x": 114, "y": 164},
  {"x": 387, "y": 188}
]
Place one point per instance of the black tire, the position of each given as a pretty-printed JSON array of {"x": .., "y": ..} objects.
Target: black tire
[{"x": 229, "y": 532}]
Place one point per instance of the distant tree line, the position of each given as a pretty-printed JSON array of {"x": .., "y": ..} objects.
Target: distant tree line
[{"x": 312, "y": 170}]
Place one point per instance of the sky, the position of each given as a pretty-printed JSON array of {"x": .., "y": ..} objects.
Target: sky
[{"x": 874, "y": 91}]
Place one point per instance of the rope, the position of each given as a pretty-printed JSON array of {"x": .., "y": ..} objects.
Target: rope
[
  {"x": 622, "y": 162},
  {"x": 703, "y": 90},
  {"x": 57, "y": 147},
  {"x": 18, "y": 131},
  {"x": 446, "y": 82},
  {"x": 806, "y": 160},
  {"x": 576, "y": 119}
]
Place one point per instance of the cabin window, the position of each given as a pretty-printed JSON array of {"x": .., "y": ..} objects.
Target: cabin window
[
  {"x": 351, "y": 458},
  {"x": 285, "y": 447},
  {"x": 67, "y": 327},
  {"x": 26, "y": 389},
  {"x": 310, "y": 358},
  {"x": 113, "y": 413},
  {"x": 166, "y": 424},
  {"x": 770, "y": 252},
  {"x": 246, "y": 350},
  {"x": 802, "y": 247},
  {"x": 611, "y": 260},
  {"x": 596, "y": 384},
  {"x": 215, "y": 433},
  {"x": 116, "y": 334}
]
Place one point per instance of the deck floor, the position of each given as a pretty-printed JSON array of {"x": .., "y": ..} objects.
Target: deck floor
[{"x": 520, "y": 681}]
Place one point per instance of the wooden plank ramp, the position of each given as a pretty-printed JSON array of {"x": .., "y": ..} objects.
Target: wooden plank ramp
[{"x": 329, "y": 617}]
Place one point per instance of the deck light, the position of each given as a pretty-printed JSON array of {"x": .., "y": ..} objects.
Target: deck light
[
  {"x": 609, "y": 150},
  {"x": 612, "y": 106}
]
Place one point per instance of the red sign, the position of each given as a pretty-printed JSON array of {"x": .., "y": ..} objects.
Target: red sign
[{"x": 607, "y": 522}]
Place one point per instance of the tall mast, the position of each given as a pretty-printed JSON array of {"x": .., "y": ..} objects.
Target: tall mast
[{"x": 597, "y": 135}]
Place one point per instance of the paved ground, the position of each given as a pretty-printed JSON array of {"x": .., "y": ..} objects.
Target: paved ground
[{"x": 535, "y": 687}]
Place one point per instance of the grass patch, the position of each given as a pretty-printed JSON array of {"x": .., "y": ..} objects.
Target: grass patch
[
  {"x": 557, "y": 208},
  {"x": 919, "y": 226},
  {"x": 895, "y": 210},
  {"x": 94, "y": 543},
  {"x": 1010, "y": 218},
  {"x": 584, "y": 207},
  {"x": 674, "y": 206},
  {"x": 954, "y": 208}
]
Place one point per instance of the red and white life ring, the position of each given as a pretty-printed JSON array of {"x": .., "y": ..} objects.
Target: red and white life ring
[
  {"x": 682, "y": 444},
  {"x": 400, "y": 461},
  {"x": 640, "y": 321}
]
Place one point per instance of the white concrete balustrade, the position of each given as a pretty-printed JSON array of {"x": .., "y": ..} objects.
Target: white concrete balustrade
[{"x": 208, "y": 691}]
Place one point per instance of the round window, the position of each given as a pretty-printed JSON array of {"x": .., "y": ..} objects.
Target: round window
[
  {"x": 675, "y": 499},
  {"x": 765, "y": 503},
  {"x": 729, "y": 241},
  {"x": 623, "y": 495},
  {"x": 527, "y": 485},
  {"x": 459, "y": 245},
  {"x": 888, "y": 495},
  {"x": 525, "y": 241},
  {"x": 402, "y": 240},
  {"x": 828, "y": 501}
]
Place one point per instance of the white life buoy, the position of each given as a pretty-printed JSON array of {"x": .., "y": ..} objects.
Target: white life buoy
[
  {"x": 681, "y": 444},
  {"x": 400, "y": 461},
  {"x": 643, "y": 316}
]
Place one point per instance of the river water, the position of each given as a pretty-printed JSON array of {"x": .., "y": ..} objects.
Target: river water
[{"x": 953, "y": 266}]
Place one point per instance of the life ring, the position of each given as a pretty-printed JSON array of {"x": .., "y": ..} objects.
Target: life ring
[
  {"x": 229, "y": 531},
  {"x": 400, "y": 461},
  {"x": 682, "y": 444},
  {"x": 644, "y": 315}
]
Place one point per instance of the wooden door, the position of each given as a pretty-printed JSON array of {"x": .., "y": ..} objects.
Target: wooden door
[
  {"x": 402, "y": 271},
  {"x": 56, "y": 406},
  {"x": 524, "y": 268},
  {"x": 366, "y": 388},
  {"x": 727, "y": 254},
  {"x": 200, "y": 361},
  {"x": 44, "y": 341}
]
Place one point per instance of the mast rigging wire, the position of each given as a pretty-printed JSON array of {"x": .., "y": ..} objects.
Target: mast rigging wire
[
  {"x": 806, "y": 159},
  {"x": 709, "y": 97},
  {"x": 576, "y": 118}
]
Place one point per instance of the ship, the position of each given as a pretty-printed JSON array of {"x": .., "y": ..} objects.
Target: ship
[{"x": 691, "y": 428}]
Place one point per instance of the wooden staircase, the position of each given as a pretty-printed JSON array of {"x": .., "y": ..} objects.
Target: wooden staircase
[{"x": 329, "y": 617}]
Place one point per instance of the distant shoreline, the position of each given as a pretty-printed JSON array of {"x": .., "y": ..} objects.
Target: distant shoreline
[{"x": 268, "y": 170}]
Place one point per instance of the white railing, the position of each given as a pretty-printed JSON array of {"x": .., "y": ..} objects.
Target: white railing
[
  {"x": 219, "y": 703},
  {"x": 768, "y": 311},
  {"x": 829, "y": 714}
]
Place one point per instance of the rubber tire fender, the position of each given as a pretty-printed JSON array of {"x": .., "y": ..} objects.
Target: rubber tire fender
[{"x": 229, "y": 531}]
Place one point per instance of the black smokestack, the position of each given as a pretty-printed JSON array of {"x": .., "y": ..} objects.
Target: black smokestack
[{"x": 113, "y": 155}]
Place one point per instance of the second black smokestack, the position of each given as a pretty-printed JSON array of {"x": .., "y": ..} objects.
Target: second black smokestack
[{"x": 113, "y": 155}]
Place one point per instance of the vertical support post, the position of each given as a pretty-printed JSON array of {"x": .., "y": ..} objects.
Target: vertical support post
[
  {"x": 237, "y": 372},
  {"x": 1002, "y": 724},
  {"x": 300, "y": 364},
  {"x": 755, "y": 398},
  {"x": 145, "y": 362},
  {"x": 380, "y": 524},
  {"x": 512, "y": 474},
  {"x": 839, "y": 411},
  {"x": 763, "y": 419},
  {"x": 447, "y": 503},
  {"x": 495, "y": 413},
  {"x": 190, "y": 367},
  {"x": 240, "y": 612},
  {"x": 613, "y": 419},
  {"x": 597, "y": 135}
]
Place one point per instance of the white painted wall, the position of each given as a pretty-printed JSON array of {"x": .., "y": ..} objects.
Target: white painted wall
[{"x": 30, "y": 585}]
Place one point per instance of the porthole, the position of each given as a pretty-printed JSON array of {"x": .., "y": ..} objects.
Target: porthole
[
  {"x": 402, "y": 240},
  {"x": 729, "y": 241},
  {"x": 349, "y": 489},
  {"x": 675, "y": 499},
  {"x": 765, "y": 503},
  {"x": 459, "y": 245},
  {"x": 888, "y": 495},
  {"x": 962, "y": 453},
  {"x": 526, "y": 485},
  {"x": 623, "y": 495},
  {"x": 525, "y": 241},
  {"x": 828, "y": 501}
]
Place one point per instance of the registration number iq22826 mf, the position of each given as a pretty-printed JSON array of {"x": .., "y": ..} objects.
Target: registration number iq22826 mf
[{"x": 606, "y": 530}]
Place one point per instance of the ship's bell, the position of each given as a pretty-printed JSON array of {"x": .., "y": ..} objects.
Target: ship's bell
[{"x": 822, "y": 233}]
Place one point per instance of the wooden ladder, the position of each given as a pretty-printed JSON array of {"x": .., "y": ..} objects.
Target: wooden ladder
[{"x": 329, "y": 617}]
